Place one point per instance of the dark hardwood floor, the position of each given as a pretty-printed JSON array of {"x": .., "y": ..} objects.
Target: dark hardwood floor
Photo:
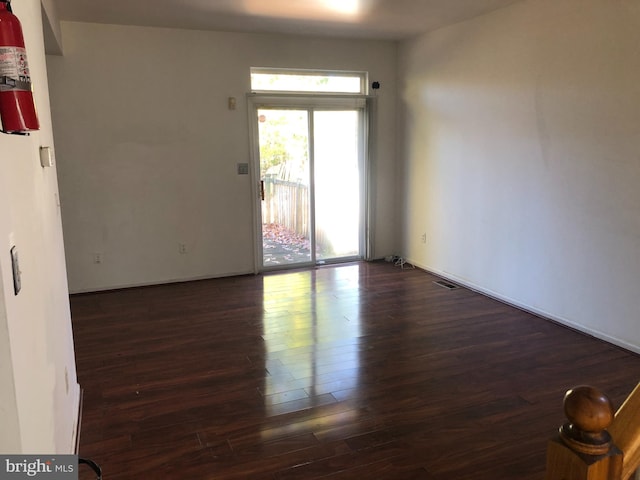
[{"x": 361, "y": 371}]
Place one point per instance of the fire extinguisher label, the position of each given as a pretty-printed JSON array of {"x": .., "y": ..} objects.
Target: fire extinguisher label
[{"x": 14, "y": 69}]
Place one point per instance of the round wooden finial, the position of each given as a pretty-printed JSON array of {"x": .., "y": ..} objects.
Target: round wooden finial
[{"x": 589, "y": 412}]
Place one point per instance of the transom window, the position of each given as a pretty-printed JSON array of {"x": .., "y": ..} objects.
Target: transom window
[{"x": 308, "y": 81}]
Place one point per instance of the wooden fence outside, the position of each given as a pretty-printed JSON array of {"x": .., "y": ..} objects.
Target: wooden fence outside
[{"x": 286, "y": 204}]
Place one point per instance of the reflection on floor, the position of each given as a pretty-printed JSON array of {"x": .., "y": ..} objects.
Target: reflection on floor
[
  {"x": 298, "y": 327},
  {"x": 346, "y": 372}
]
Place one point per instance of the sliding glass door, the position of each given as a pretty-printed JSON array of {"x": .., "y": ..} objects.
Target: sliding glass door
[{"x": 311, "y": 184}]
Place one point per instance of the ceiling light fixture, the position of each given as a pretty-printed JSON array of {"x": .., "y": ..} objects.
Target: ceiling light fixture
[
  {"x": 318, "y": 10},
  {"x": 346, "y": 7}
]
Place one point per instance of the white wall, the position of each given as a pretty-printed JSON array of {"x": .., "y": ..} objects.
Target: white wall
[
  {"x": 147, "y": 148},
  {"x": 522, "y": 159},
  {"x": 38, "y": 366},
  {"x": 51, "y": 28},
  {"x": 10, "y": 440}
]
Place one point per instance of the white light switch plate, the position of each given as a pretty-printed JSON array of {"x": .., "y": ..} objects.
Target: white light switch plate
[
  {"x": 17, "y": 282},
  {"x": 46, "y": 157}
]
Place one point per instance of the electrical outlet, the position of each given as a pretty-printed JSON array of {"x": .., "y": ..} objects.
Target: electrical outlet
[
  {"x": 182, "y": 248},
  {"x": 97, "y": 258},
  {"x": 424, "y": 238}
]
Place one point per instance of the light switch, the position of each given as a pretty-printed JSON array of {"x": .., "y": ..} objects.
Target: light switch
[
  {"x": 243, "y": 169},
  {"x": 17, "y": 283},
  {"x": 46, "y": 157}
]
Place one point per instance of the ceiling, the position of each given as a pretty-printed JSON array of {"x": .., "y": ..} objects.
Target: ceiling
[{"x": 371, "y": 19}]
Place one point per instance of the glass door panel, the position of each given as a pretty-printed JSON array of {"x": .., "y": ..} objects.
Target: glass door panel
[
  {"x": 336, "y": 162},
  {"x": 311, "y": 171},
  {"x": 285, "y": 187}
]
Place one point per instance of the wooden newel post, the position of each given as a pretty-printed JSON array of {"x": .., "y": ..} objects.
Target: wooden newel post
[{"x": 584, "y": 450}]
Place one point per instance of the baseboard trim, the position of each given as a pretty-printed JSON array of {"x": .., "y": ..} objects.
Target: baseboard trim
[
  {"x": 78, "y": 425},
  {"x": 533, "y": 310},
  {"x": 154, "y": 283}
]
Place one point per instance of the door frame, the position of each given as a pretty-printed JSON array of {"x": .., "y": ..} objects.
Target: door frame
[{"x": 312, "y": 102}]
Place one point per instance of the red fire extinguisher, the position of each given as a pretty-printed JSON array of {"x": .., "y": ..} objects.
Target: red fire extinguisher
[{"x": 17, "y": 110}]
